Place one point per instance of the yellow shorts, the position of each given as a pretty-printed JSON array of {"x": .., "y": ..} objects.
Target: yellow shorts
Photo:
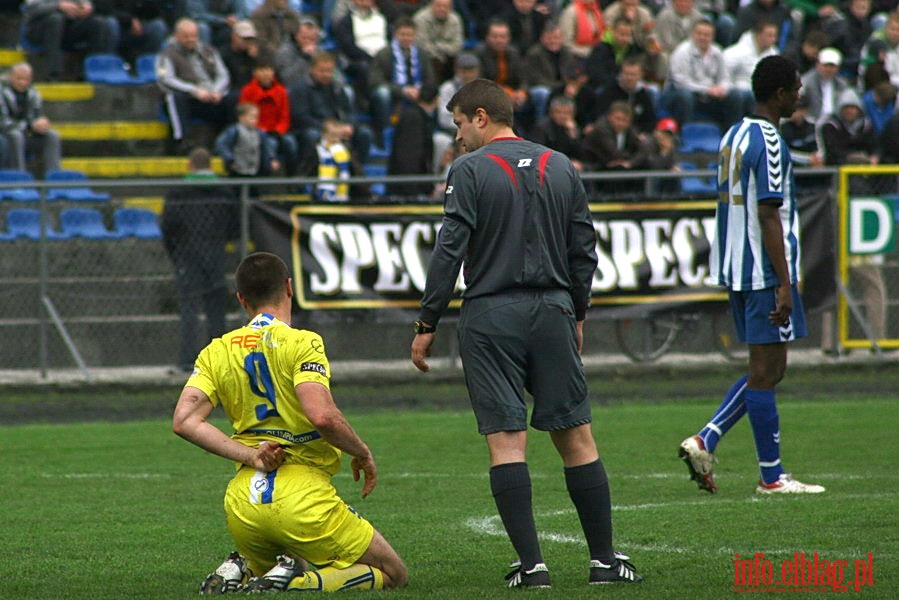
[{"x": 293, "y": 510}]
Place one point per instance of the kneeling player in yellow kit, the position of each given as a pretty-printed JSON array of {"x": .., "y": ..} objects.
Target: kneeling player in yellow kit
[{"x": 281, "y": 509}]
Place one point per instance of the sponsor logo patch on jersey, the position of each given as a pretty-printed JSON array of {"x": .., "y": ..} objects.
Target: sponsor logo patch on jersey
[
  {"x": 314, "y": 366},
  {"x": 524, "y": 162}
]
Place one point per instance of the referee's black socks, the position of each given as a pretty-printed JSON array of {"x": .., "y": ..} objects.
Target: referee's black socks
[
  {"x": 588, "y": 487},
  {"x": 511, "y": 487}
]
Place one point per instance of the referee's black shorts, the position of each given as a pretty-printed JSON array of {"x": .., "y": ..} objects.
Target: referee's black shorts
[{"x": 523, "y": 340}]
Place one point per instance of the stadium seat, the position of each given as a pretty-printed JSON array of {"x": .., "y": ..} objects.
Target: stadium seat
[
  {"x": 75, "y": 194},
  {"x": 696, "y": 185},
  {"x": 26, "y": 223},
  {"x": 374, "y": 170},
  {"x": 145, "y": 65},
  {"x": 24, "y": 43},
  {"x": 383, "y": 153},
  {"x": 107, "y": 68},
  {"x": 18, "y": 194},
  {"x": 699, "y": 137},
  {"x": 137, "y": 222},
  {"x": 85, "y": 223}
]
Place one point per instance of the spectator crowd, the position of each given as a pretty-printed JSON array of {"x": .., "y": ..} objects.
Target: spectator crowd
[{"x": 314, "y": 87}]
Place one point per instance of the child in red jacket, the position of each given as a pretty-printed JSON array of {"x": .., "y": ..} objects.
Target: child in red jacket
[{"x": 270, "y": 96}]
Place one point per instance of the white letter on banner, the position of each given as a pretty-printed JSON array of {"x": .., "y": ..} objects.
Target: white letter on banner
[
  {"x": 386, "y": 237},
  {"x": 657, "y": 233},
  {"x": 708, "y": 225},
  {"x": 358, "y": 254},
  {"x": 320, "y": 236},
  {"x": 858, "y": 242},
  {"x": 608, "y": 275},
  {"x": 685, "y": 232},
  {"x": 627, "y": 251},
  {"x": 417, "y": 234}
]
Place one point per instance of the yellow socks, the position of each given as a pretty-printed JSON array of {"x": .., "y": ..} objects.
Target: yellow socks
[{"x": 329, "y": 579}]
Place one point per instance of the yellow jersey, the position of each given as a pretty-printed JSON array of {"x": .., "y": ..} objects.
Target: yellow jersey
[{"x": 252, "y": 372}]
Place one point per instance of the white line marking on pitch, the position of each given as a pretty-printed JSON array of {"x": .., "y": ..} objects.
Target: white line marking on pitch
[{"x": 492, "y": 526}]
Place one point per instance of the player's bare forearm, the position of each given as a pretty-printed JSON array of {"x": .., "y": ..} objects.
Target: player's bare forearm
[
  {"x": 189, "y": 422},
  {"x": 772, "y": 239},
  {"x": 329, "y": 421},
  {"x": 341, "y": 435}
]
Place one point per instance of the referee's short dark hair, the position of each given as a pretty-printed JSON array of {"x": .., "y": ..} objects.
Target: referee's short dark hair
[
  {"x": 260, "y": 278},
  {"x": 486, "y": 94},
  {"x": 771, "y": 74}
]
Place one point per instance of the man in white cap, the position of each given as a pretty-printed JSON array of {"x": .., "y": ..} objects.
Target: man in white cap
[{"x": 823, "y": 85}]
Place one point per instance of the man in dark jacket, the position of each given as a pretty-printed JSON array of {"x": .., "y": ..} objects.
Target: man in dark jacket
[
  {"x": 292, "y": 58},
  {"x": 603, "y": 62},
  {"x": 135, "y": 26},
  {"x": 502, "y": 64},
  {"x": 413, "y": 144},
  {"x": 319, "y": 97},
  {"x": 275, "y": 21},
  {"x": 848, "y": 136},
  {"x": 196, "y": 223},
  {"x": 65, "y": 26},
  {"x": 559, "y": 131},
  {"x": 398, "y": 73},
  {"x": 526, "y": 23},
  {"x": 628, "y": 87},
  {"x": 545, "y": 63},
  {"x": 615, "y": 145}
]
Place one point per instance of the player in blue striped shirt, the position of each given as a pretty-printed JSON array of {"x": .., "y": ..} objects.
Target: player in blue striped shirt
[{"x": 755, "y": 254}]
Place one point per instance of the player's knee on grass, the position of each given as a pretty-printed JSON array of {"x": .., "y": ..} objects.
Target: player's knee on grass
[{"x": 380, "y": 554}]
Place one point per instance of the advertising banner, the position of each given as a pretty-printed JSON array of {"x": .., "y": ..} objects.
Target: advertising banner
[{"x": 652, "y": 255}]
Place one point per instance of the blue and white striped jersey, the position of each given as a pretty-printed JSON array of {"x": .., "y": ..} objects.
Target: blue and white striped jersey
[{"x": 754, "y": 167}]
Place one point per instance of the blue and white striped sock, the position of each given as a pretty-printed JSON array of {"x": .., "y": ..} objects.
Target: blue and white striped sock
[
  {"x": 765, "y": 422},
  {"x": 731, "y": 410}
]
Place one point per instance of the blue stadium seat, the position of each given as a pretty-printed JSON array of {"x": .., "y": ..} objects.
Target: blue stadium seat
[
  {"x": 696, "y": 185},
  {"x": 145, "y": 65},
  {"x": 84, "y": 223},
  {"x": 75, "y": 194},
  {"x": 374, "y": 170},
  {"x": 24, "y": 43},
  {"x": 18, "y": 194},
  {"x": 384, "y": 152},
  {"x": 137, "y": 222},
  {"x": 107, "y": 68},
  {"x": 26, "y": 223},
  {"x": 699, "y": 136}
]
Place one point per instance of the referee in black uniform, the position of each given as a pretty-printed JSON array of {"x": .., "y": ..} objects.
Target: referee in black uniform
[{"x": 517, "y": 213}]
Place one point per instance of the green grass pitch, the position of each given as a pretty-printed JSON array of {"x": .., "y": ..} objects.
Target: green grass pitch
[{"x": 127, "y": 510}]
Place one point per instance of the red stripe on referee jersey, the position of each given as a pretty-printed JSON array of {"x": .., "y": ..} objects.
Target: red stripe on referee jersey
[
  {"x": 541, "y": 165},
  {"x": 505, "y": 166}
]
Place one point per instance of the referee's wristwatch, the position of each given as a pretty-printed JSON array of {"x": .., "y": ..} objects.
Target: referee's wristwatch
[{"x": 422, "y": 327}]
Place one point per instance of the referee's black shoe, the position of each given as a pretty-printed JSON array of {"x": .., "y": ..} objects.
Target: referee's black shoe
[
  {"x": 537, "y": 577},
  {"x": 620, "y": 571}
]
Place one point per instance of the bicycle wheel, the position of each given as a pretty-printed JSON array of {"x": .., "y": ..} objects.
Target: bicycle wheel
[
  {"x": 726, "y": 338},
  {"x": 646, "y": 339}
]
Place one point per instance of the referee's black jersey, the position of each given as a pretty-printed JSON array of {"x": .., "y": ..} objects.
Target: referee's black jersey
[{"x": 517, "y": 213}]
